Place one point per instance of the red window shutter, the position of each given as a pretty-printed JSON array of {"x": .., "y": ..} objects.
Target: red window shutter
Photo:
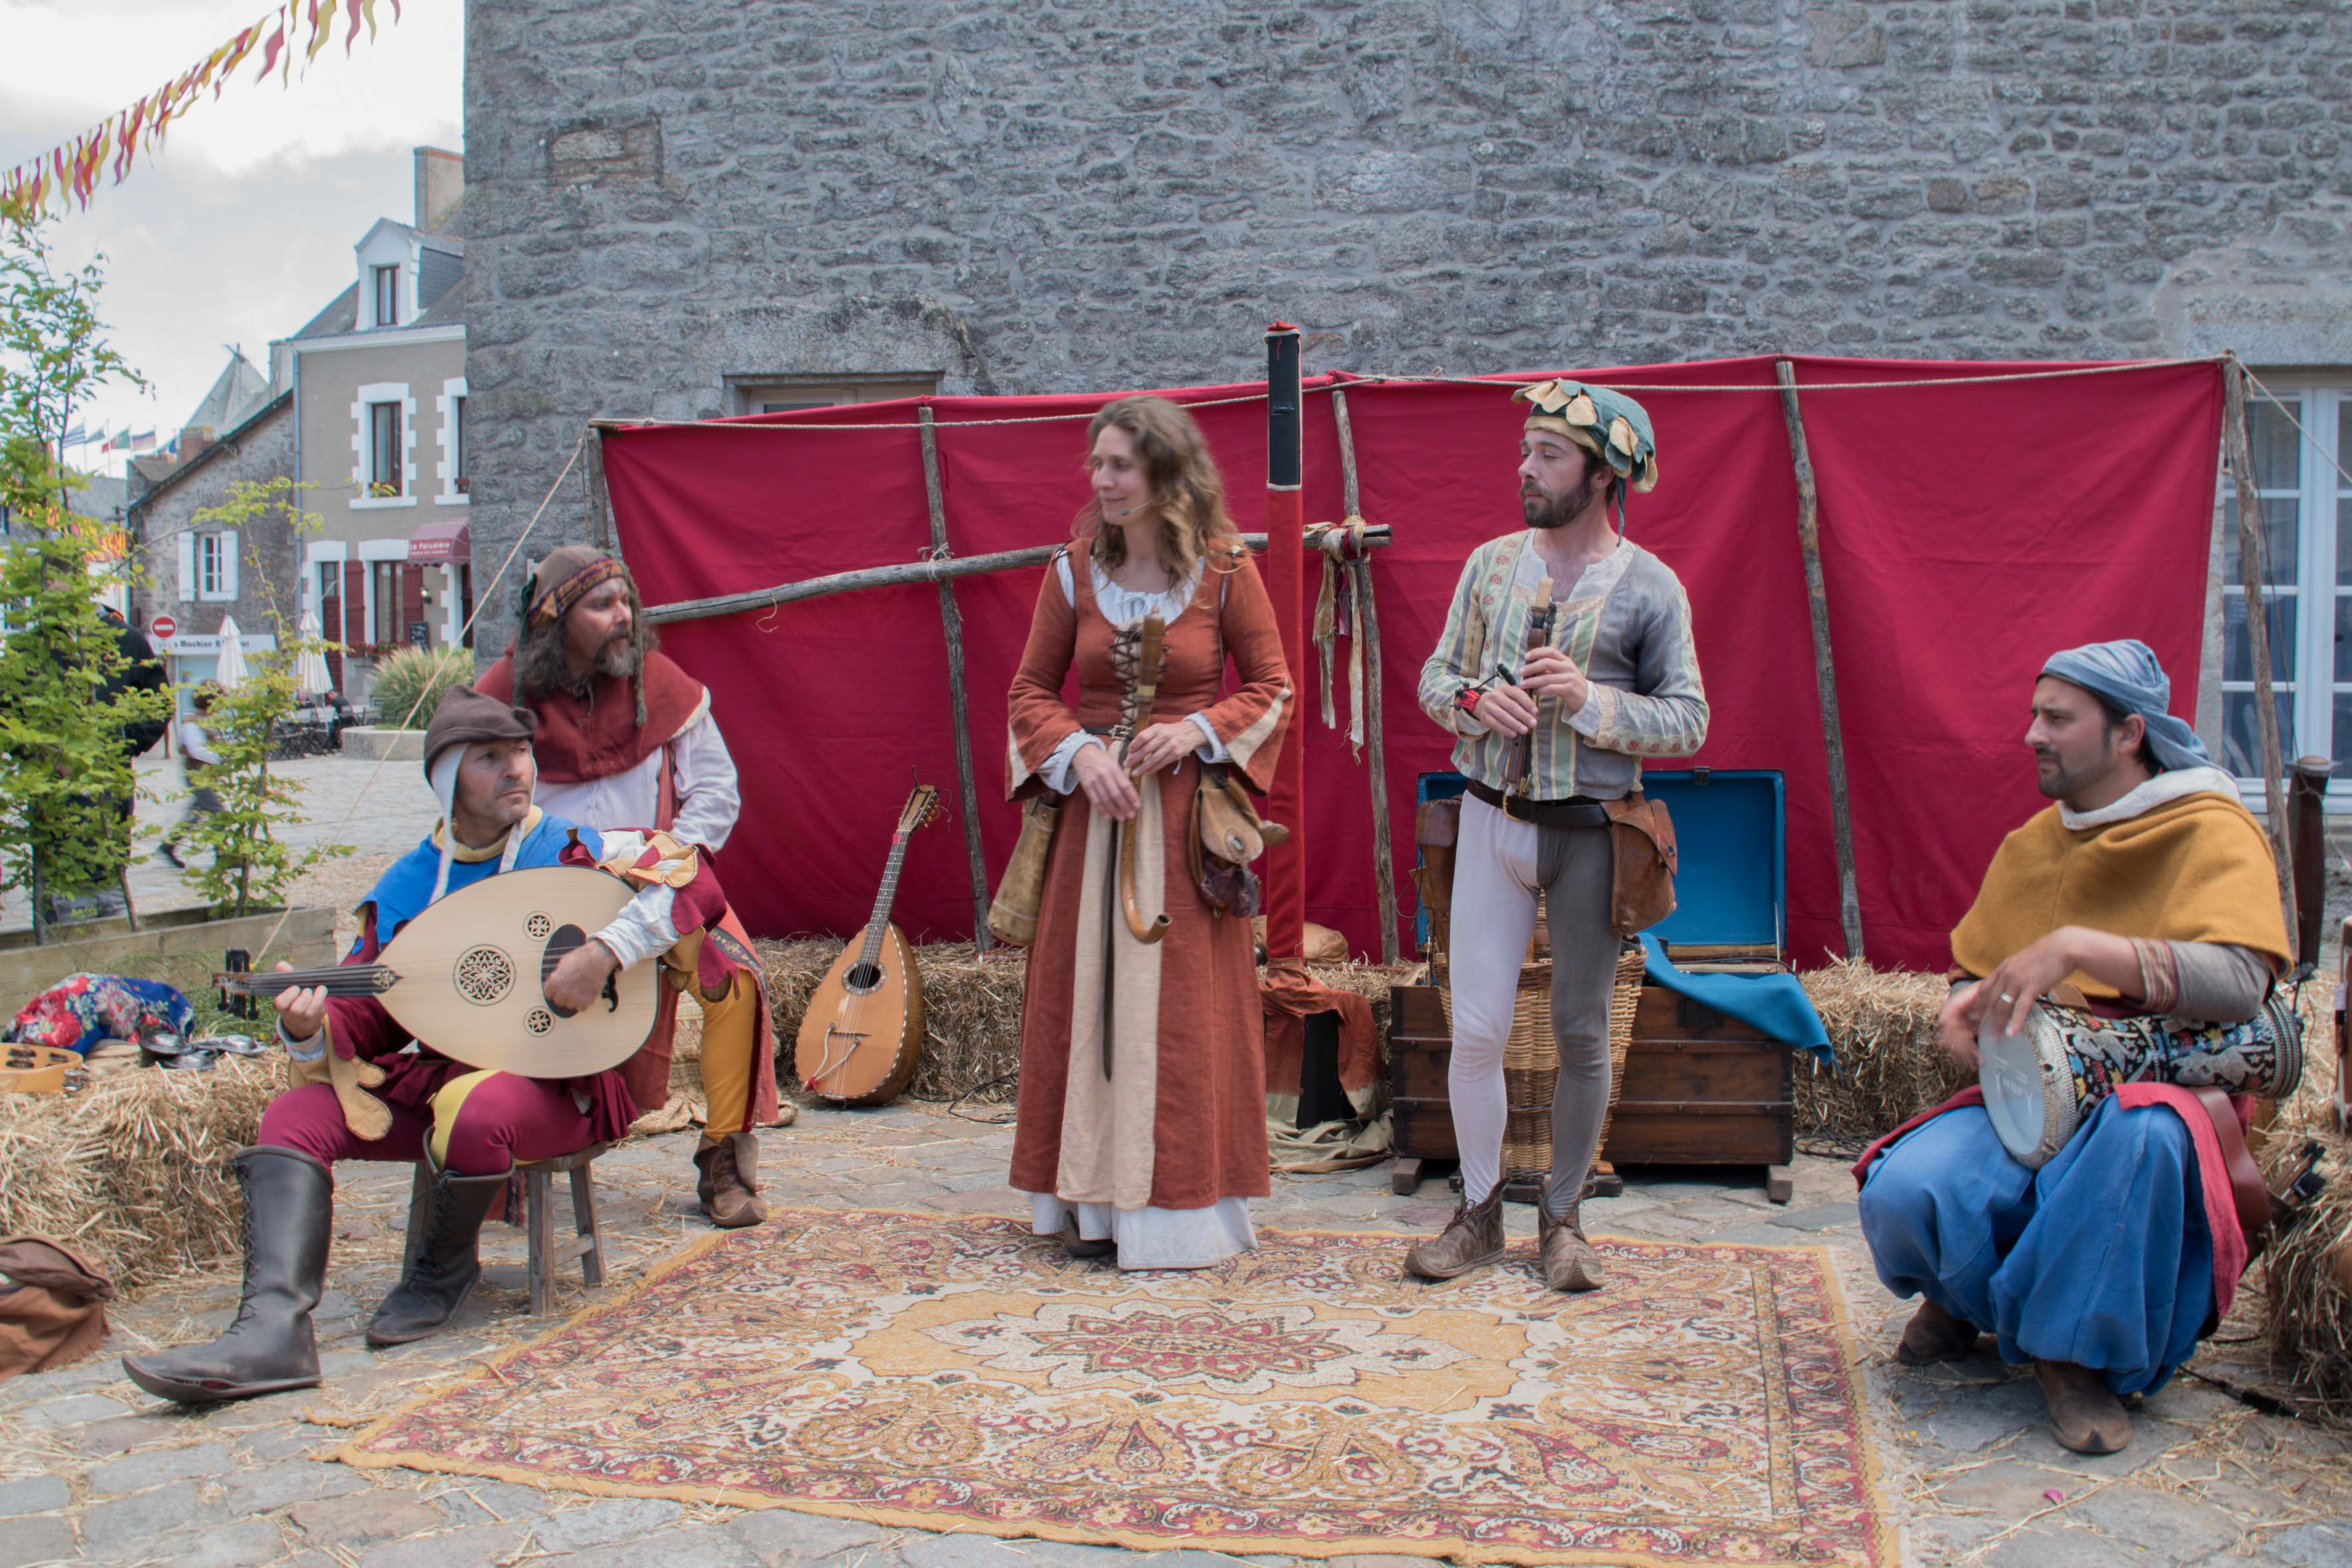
[{"x": 412, "y": 597}]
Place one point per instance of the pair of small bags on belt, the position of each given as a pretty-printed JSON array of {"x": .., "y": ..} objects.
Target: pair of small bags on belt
[
  {"x": 1642, "y": 854},
  {"x": 1227, "y": 835}
]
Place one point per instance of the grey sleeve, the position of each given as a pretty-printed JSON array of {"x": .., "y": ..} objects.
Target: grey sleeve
[{"x": 2219, "y": 982}]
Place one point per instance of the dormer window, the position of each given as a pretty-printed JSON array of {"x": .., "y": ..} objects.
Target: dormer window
[{"x": 387, "y": 296}]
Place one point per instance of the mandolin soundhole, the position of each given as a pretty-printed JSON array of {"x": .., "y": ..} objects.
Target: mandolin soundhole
[
  {"x": 484, "y": 975},
  {"x": 862, "y": 977},
  {"x": 539, "y": 926},
  {"x": 539, "y": 1021}
]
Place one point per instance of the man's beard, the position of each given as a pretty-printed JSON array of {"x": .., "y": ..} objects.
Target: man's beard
[
  {"x": 1546, "y": 512},
  {"x": 619, "y": 656},
  {"x": 1543, "y": 512},
  {"x": 2062, "y": 784}
]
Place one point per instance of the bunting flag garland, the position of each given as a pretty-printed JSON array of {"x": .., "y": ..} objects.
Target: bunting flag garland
[{"x": 70, "y": 174}]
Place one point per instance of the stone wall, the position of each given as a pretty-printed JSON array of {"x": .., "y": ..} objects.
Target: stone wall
[
  {"x": 267, "y": 564},
  {"x": 1050, "y": 195}
]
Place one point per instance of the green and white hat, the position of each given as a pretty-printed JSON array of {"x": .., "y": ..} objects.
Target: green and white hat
[{"x": 1608, "y": 425}]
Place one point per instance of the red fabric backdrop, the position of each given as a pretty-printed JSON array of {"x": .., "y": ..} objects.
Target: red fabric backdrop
[{"x": 1966, "y": 530}]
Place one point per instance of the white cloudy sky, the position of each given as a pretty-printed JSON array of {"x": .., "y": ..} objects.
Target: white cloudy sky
[{"x": 242, "y": 227}]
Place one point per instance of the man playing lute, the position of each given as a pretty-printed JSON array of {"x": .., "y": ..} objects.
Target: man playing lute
[{"x": 470, "y": 1127}]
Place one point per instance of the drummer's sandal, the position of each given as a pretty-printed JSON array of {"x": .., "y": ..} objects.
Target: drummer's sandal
[{"x": 1933, "y": 1335}]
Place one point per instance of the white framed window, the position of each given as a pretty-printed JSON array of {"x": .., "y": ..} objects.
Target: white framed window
[
  {"x": 2305, "y": 509},
  {"x": 383, "y": 446},
  {"x": 387, "y": 295},
  {"x": 451, "y": 406},
  {"x": 215, "y": 559}
]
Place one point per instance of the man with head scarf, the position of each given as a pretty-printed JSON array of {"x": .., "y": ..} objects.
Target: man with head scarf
[
  {"x": 1615, "y": 680},
  {"x": 2146, "y": 888},
  {"x": 627, "y": 736},
  {"x": 470, "y": 1127}
]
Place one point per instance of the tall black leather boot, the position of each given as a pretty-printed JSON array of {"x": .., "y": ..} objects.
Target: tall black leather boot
[
  {"x": 289, "y": 1200},
  {"x": 445, "y": 1267}
]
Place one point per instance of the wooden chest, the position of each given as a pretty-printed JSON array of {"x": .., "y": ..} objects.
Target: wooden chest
[
  {"x": 1701, "y": 1089},
  {"x": 1421, "y": 1116}
]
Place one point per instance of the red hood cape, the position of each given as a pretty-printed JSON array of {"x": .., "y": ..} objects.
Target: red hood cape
[{"x": 580, "y": 741}]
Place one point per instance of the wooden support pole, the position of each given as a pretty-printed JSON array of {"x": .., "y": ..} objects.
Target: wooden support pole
[
  {"x": 2251, "y": 571},
  {"x": 1817, "y": 603},
  {"x": 951, "y": 620},
  {"x": 2308, "y": 802},
  {"x": 599, "y": 500},
  {"x": 1383, "y": 856},
  {"x": 895, "y": 575}
]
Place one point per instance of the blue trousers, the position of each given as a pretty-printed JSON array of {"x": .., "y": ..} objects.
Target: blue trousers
[{"x": 2101, "y": 1258}]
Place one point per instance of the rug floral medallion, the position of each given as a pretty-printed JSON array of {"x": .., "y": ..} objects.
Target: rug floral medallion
[{"x": 958, "y": 1374}]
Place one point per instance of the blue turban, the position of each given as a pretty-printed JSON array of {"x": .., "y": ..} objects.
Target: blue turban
[{"x": 2126, "y": 673}]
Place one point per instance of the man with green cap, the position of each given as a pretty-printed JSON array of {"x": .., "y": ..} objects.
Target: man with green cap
[{"x": 1548, "y": 730}]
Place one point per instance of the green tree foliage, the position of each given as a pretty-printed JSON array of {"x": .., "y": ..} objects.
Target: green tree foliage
[
  {"x": 252, "y": 865},
  {"x": 66, "y": 697}
]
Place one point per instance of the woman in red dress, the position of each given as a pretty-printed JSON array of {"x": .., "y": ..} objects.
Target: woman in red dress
[{"x": 1151, "y": 1142}]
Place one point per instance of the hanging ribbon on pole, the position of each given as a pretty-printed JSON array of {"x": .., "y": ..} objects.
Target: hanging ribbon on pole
[{"x": 70, "y": 175}]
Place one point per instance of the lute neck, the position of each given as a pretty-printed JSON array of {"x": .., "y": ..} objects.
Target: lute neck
[
  {"x": 884, "y": 896},
  {"x": 337, "y": 980}
]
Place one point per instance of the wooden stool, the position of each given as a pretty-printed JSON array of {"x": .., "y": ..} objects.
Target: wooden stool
[{"x": 546, "y": 1254}]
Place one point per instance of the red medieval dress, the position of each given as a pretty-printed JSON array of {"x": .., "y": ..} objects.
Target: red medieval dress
[{"x": 1163, "y": 1152}]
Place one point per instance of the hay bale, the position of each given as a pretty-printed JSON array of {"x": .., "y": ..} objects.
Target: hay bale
[
  {"x": 971, "y": 1009},
  {"x": 2306, "y": 1297},
  {"x": 135, "y": 1169},
  {"x": 2308, "y": 1313},
  {"x": 1882, "y": 1024}
]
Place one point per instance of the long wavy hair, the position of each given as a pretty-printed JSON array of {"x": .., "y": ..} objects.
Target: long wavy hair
[
  {"x": 540, "y": 662},
  {"x": 1184, "y": 485}
]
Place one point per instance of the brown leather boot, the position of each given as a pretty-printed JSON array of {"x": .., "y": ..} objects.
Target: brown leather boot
[
  {"x": 1933, "y": 1335},
  {"x": 1473, "y": 1237},
  {"x": 2084, "y": 1414},
  {"x": 1566, "y": 1258},
  {"x": 729, "y": 1185}
]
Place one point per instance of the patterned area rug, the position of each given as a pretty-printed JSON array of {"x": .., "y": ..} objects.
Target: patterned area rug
[{"x": 957, "y": 1373}]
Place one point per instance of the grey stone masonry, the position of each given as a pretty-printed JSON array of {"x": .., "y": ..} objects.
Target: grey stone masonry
[{"x": 1031, "y": 195}]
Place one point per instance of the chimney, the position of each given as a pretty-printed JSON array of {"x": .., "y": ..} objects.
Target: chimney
[{"x": 440, "y": 186}]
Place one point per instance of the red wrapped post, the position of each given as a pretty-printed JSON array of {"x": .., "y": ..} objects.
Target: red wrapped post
[{"x": 1285, "y": 871}]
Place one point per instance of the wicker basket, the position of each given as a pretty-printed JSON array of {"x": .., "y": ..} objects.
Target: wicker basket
[{"x": 1531, "y": 1062}]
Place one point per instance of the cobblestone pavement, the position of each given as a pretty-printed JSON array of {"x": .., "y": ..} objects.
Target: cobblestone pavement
[
  {"x": 92, "y": 1469},
  {"x": 393, "y": 813}
]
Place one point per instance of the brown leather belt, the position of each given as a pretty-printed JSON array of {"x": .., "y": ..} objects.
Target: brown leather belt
[{"x": 1576, "y": 811}]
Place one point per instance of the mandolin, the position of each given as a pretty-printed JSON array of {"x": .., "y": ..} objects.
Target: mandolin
[
  {"x": 862, "y": 1036},
  {"x": 463, "y": 976}
]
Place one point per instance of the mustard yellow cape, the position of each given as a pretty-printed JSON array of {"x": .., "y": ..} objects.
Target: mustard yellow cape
[{"x": 2193, "y": 869}]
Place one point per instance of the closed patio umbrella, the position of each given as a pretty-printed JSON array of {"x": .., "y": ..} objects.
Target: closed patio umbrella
[{"x": 230, "y": 669}]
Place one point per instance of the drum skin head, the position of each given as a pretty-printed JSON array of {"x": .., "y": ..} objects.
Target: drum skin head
[{"x": 2010, "y": 1070}]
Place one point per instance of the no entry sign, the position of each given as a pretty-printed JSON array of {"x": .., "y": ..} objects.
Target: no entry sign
[{"x": 163, "y": 626}]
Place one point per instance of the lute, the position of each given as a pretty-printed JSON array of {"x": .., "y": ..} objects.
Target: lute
[
  {"x": 862, "y": 1036},
  {"x": 465, "y": 975}
]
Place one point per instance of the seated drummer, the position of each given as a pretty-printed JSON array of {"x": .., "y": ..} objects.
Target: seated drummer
[
  {"x": 469, "y": 1127},
  {"x": 2150, "y": 889}
]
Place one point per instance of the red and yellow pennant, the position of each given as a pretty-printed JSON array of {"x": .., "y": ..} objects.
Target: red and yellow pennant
[{"x": 70, "y": 174}]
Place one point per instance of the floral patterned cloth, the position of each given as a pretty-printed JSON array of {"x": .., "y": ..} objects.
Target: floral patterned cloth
[{"x": 82, "y": 1009}]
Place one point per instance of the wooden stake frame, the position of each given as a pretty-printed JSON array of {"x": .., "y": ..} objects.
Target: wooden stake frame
[
  {"x": 951, "y": 620},
  {"x": 1817, "y": 605},
  {"x": 2252, "y": 573}
]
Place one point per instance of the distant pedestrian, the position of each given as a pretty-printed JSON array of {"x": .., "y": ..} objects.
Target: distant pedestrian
[{"x": 197, "y": 759}]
